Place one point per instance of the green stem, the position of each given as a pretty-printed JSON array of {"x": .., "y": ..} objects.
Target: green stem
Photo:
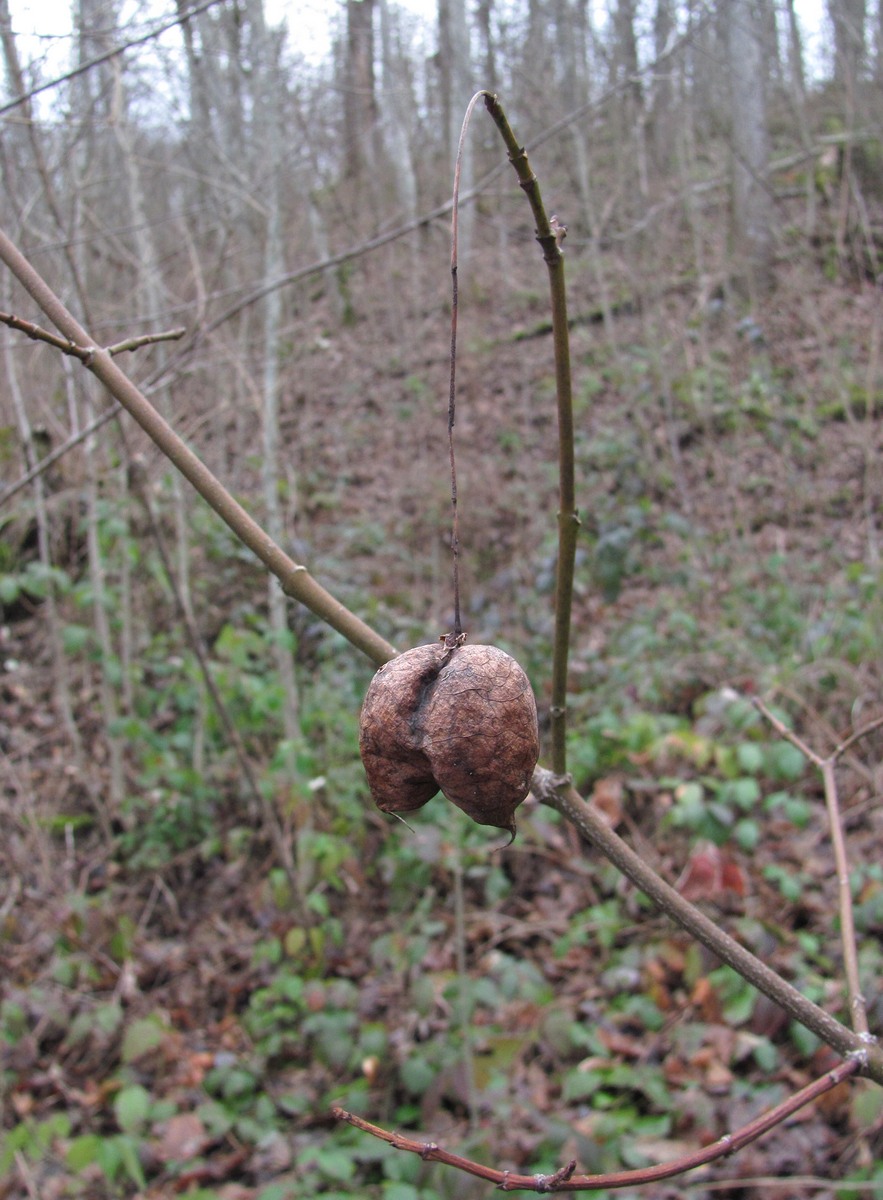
[{"x": 549, "y": 236}]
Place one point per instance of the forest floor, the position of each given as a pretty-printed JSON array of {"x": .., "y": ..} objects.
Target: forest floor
[{"x": 174, "y": 1020}]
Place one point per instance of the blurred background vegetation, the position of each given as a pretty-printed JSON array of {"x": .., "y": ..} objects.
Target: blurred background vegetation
[{"x": 207, "y": 935}]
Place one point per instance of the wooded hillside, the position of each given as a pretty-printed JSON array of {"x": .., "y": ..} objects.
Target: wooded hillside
[{"x": 209, "y": 936}]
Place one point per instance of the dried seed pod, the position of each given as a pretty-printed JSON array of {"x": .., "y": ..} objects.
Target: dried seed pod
[
  {"x": 462, "y": 720},
  {"x": 390, "y": 737}
]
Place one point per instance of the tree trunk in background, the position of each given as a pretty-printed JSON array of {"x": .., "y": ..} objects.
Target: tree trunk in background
[
  {"x": 483, "y": 13},
  {"x": 360, "y": 98},
  {"x": 455, "y": 68},
  {"x": 629, "y": 129},
  {"x": 774, "y": 72},
  {"x": 795, "y": 86},
  {"x": 96, "y": 100},
  {"x": 625, "y": 45},
  {"x": 706, "y": 54},
  {"x": 539, "y": 52},
  {"x": 573, "y": 88},
  {"x": 395, "y": 101},
  {"x": 848, "y": 19},
  {"x": 663, "y": 114},
  {"x": 270, "y": 151},
  {"x": 751, "y": 202},
  {"x": 456, "y": 88}
]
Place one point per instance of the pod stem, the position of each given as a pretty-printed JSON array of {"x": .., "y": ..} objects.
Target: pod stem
[{"x": 452, "y": 391}]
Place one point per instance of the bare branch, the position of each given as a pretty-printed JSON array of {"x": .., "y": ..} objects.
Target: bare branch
[
  {"x": 156, "y": 32},
  {"x": 788, "y": 734},
  {"x": 857, "y": 1002},
  {"x": 84, "y": 353},
  {"x": 295, "y": 579},
  {"x": 146, "y": 339},
  {"x": 564, "y": 1179},
  {"x": 45, "y": 463},
  {"x": 38, "y": 334},
  {"x": 849, "y": 742},
  {"x": 563, "y": 797},
  {"x": 550, "y": 234}
]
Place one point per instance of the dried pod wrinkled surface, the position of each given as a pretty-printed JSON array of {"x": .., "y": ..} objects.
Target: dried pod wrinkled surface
[{"x": 462, "y": 720}]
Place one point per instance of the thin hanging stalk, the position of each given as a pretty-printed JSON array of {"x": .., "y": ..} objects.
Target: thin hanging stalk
[{"x": 452, "y": 390}]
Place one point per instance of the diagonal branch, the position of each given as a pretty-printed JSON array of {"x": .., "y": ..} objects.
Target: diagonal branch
[
  {"x": 295, "y": 579},
  {"x": 561, "y": 795}
]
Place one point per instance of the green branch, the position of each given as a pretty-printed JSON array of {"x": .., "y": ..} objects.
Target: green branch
[{"x": 550, "y": 234}]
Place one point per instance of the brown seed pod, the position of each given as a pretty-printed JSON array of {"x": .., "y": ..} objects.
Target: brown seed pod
[{"x": 462, "y": 720}]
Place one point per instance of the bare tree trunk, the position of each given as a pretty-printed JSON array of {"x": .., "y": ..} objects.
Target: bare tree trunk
[
  {"x": 394, "y": 109},
  {"x": 151, "y": 298},
  {"x": 483, "y": 13},
  {"x": 456, "y": 88},
  {"x": 796, "y": 87},
  {"x": 751, "y": 202},
  {"x": 663, "y": 114},
  {"x": 848, "y": 18},
  {"x": 360, "y": 97},
  {"x": 267, "y": 134},
  {"x": 630, "y": 114},
  {"x": 61, "y": 666},
  {"x": 572, "y": 48}
]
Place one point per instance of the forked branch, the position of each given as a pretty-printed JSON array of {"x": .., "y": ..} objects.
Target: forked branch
[
  {"x": 84, "y": 353},
  {"x": 857, "y": 1003}
]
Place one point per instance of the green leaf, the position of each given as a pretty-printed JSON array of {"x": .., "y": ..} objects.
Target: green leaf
[
  {"x": 395, "y": 1190},
  {"x": 131, "y": 1162},
  {"x": 76, "y": 638},
  {"x": 336, "y": 1164},
  {"x": 131, "y": 1107},
  {"x": 83, "y": 1151},
  {"x": 142, "y": 1036},
  {"x": 750, "y": 757},
  {"x": 766, "y": 1055},
  {"x": 417, "y": 1075},
  {"x": 747, "y": 833},
  {"x": 744, "y": 792}
]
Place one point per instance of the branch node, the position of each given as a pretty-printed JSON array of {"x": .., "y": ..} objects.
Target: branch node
[
  {"x": 546, "y": 783},
  {"x": 563, "y": 1173},
  {"x": 860, "y": 1053}
]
